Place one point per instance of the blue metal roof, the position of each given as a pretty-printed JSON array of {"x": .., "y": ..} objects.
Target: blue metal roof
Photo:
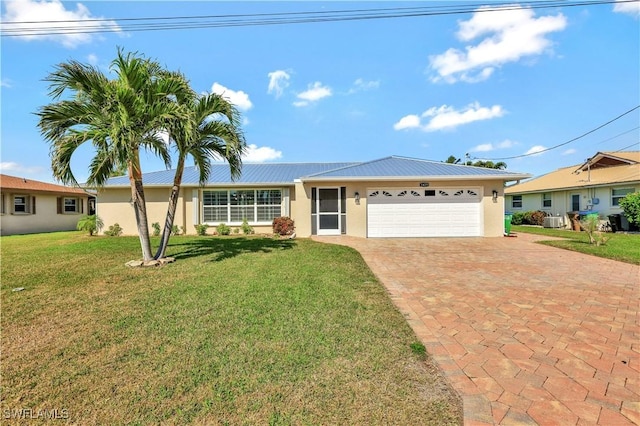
[
  {"x": 395, "y": 166},
  {"x": 287, "y": 173},
  {"x": 252, "y": 173}
]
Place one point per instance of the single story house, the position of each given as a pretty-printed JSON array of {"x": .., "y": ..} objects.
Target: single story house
[
  {"x": 390, "y": 197},
  {"x": 597, "y": 185},
  {"x": 30, "y": 206}
]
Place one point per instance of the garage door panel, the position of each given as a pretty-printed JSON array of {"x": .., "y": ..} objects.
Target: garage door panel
[{"x": 437, "y": 216}]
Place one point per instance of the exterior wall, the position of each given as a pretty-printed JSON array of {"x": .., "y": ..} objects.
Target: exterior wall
[
  {"x": 493, "y": 211},
  {"x": 561, "y": 201},
  {"x": 46, "y": 217}
]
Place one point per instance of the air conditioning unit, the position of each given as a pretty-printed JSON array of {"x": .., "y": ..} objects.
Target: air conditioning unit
[{"x": 553, "y": 222}]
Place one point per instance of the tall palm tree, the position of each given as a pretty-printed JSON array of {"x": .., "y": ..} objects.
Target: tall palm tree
[
  {"x": 211, "y": 132},
  {"x": 118, "y": 116}
]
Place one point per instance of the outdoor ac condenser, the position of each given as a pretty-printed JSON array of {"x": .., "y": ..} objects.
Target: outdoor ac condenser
[{"x": 553, "y": 222}]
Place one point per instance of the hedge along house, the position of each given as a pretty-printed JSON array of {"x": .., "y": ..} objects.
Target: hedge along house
[
  {"x": 597, "y": 185},
  {"x": 389, "y": 197},
  {"x": 30, "y": 206}
]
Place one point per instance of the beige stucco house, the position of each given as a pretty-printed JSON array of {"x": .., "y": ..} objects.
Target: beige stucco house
[
  {"x": 30, "y": 206},
  {"x": 595, "y": 186},
  {"x": 390, "y": 197}
]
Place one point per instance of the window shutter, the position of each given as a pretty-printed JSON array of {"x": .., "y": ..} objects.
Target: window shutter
[
  {"x": 81, "y": 201},
  {"x": 59, "y": 204},
  {"x": 33, "y": 205}
]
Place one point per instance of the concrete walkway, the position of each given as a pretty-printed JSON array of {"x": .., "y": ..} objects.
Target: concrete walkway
[{"x": 526, "y": 334}]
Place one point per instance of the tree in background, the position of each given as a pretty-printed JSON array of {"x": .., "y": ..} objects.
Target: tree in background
[
  {"x": 500, "y": 165},
  {"x": 119, "y": 117}
]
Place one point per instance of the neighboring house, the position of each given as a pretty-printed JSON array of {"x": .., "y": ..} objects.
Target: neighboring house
[
  {"x": 597, "y": 185},
  {"x": 390, "y": 197},
  {"x": 29, "y": 206}
]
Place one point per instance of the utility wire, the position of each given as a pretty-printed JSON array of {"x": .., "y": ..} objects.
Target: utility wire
[
  {"x": 571, "y": 140},
  {"x": 35, "y": 28}
]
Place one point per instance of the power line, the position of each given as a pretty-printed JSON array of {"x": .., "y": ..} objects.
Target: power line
[
  {"x": 571, "y": 140},
  {"x": 17, "y": 29}
]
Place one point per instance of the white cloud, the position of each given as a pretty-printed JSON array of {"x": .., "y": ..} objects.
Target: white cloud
[
  {"x": 278, "y": 81},
  {"x": 238, "y": 98},
  {"x": 630, "y": 8},
  {"x": 485, "y": 147},
  {"x": 410, "y": 121},
  {"x": 314, "y": 92},
  {"x": 260, "y": 154},
  {"x": 5, "y": 82},
  {"x": 569, "y": 151},
  {"x": 508, "y": 37},
  {"x": 361, "y": 85},
  {"x": 446, "y": 117},
  {"x": 536, "y": 150},
  {"x": 36, "y": 13},
  {"x": 10, "y": 167},
  {"x": 93, "y": 59}
]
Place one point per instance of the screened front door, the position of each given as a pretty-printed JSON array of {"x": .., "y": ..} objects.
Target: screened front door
[{"x": 328, "y": 208}]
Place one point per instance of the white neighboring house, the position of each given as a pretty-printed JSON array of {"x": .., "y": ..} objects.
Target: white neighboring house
[
  {"x": 596, "y": 186},
  {"x": 30, "y": 206}
]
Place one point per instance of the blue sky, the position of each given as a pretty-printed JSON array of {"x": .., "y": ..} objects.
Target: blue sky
[{"x": 490, "y": 84}]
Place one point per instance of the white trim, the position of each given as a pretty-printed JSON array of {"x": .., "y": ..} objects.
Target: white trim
[
  {"x": 337, "y": 231},
  {"x": 195, "y": 200}
]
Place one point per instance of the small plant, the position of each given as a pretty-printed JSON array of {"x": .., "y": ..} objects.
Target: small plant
[
  {"x": 114, "y": 230},
  {"x": 630, "y": 204},
  {"x": 418, "y": 349},
  {"x": 175, "y": 230},
  {"x": 283, "y": 225},
  {"x": 591, "y": 225},
  {"x": 246, "y": 228},
  {"x": 236, "y": 230},
  {"x": 201, "y": 229},
  {"x": 90, "y": 223},
  {"x": 223, "y": 229},
  {"x": 156, "y": 229}
]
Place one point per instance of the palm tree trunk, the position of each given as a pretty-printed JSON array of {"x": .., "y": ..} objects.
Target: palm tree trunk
[
  {"x": 140, "y": 206},
  {"x": 171, "y": 210}
]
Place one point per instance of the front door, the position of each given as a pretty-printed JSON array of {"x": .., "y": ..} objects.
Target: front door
[{"x": 328, "y": 208}]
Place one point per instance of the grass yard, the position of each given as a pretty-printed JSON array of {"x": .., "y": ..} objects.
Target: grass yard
[
  {"x": 622, "y": 247},
  {"x": 237, "y": 331}
]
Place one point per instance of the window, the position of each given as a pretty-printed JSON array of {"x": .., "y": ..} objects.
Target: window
[
  {"x": 619, "y": 194},
  {"x": 2, "y": 211},
  {"x": 23, "y": 204},
  {"x": 69, "y": 205},
  {"x": 546, "y": 200},
  {"x": 262, "y": 205},
  {"x": 516, "y": 202}
]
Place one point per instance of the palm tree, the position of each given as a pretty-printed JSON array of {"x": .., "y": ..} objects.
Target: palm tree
[
  {"x": 118, "y": 116},
  {"x": 212, "y": 131}
]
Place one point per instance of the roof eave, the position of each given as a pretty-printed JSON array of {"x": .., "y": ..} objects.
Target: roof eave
[{"x": 506, "y": 178}]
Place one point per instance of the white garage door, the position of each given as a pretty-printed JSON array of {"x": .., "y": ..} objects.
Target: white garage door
[{"x": 424, "y": 212}]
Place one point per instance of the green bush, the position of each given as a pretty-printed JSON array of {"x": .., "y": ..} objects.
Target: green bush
[
  {"x": 631, "y": 207},
  {"x": 156, "y": 229},
  {"x": 246, "y": 228},
  {"x": 176, "y": 230},
  {"x": 114, "y": 230},
  {"x": 201, "y": 229},
  {"x": 518, "y": 218},
  {"x": 90, "y": 223},
  {"x": 223, "y": 229},
  {"x": 528, "y": 218}
]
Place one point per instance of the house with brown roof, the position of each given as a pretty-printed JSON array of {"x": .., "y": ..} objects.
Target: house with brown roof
[
  {"x": 30, "y": 206},
  {"x": 596, "y": 186}
]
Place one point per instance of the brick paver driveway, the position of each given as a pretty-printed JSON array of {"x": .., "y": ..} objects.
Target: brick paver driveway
[{"x": 525, "y": 333}]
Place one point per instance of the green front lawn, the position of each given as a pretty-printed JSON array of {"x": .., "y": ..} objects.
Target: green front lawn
[
  {"x": 237, "y": 331},
  {"x": 622, "y": 247}
]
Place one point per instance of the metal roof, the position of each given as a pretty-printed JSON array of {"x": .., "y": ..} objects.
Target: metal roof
[
  {"x": 252, "y": 174},
  {"x": 404, "y": 167},
  {"x": 388, "y": 168}
]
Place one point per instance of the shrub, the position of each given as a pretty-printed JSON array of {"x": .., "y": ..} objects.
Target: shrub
[
  {"x": 90, "y": 223},
  {"x": 537, "y": 218},
  {"x": 114, "y": 231},
  {"x": 201, "y": 229},
  {"x": 236, "y": 230},
  {"x": 156, "y": 229},
  {"x": 518, "y": 218},
  {"x": 223, "y": 229},
  {"x": 175, "y": 230},
  {"x": 631, "y": 207},
  {"x": 590, "y": 224},
  {"x": 283, "y": 225},
  {"x": 246, "y": 228},
  {"x": 529, "y": 218}
]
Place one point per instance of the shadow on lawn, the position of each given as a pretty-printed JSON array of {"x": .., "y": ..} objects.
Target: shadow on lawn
[{"x": 226, "y": 247}]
